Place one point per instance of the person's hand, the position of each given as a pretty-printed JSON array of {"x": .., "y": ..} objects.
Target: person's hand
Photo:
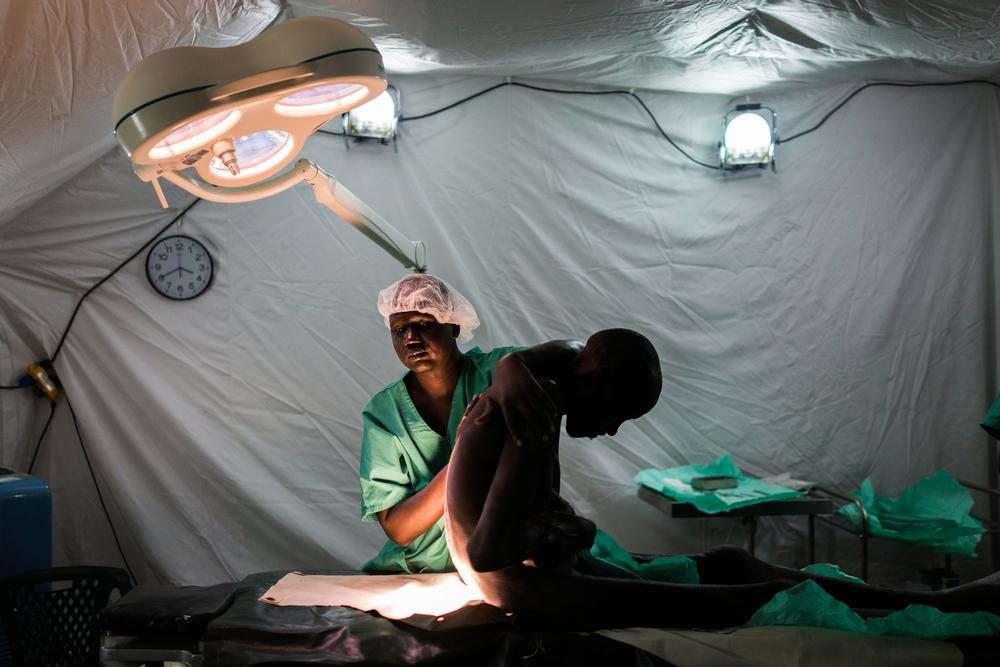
[
  {"x": 468, "y": 408},
  {"x": 531, "y": 415}
]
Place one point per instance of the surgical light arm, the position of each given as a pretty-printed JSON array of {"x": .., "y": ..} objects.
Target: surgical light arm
[{"x": 328, "y": 191}]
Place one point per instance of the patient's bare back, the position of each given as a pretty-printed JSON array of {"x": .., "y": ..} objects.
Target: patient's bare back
[{"x": 502, "y": 508}]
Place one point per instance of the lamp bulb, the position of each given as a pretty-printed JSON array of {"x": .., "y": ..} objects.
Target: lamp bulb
[{"x": 226, "y": 152}]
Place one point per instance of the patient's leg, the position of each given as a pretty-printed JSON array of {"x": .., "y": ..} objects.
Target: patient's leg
[
  {"x": 548, "y": 599},
  {"x": 576, "y": 602},
  {"x": 731, "y": 565}
]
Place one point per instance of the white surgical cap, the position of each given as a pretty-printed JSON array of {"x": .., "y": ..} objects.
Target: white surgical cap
[{"x": 427, "y": 294}]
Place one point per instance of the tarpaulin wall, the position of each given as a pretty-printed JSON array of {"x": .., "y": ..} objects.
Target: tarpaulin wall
[{"x": 835, "y": 319}]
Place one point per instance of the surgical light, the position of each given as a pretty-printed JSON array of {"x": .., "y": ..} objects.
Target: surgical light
[
  {"x": 749, "y": 136},
  {"x": 377, "y": 119},
  {"x": 225, "y": 124}
]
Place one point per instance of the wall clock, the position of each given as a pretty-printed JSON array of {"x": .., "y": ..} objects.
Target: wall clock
[{"x": 179, "y": 267}]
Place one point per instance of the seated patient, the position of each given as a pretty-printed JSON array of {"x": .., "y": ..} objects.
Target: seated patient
[{"x": 514, "y": 539}]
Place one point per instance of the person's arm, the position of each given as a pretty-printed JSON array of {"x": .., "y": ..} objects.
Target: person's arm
[
  {"x": 522, "y": 476},
  {"x": 530, "y": 414},
  {"x": 416, "y": 514},
  {"x": 413, "y": 516}
]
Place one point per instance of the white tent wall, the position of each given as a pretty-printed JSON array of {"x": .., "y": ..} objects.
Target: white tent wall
[
  {"x": 835, "y": 319},
  {"x": 62, "y": 61}
]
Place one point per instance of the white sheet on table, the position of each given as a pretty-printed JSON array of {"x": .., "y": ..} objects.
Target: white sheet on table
[{"x": 392, "y": 595}]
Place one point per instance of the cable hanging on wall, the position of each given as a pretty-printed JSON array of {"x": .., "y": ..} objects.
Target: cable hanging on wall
[
  {"x": 882, "y": 83},
  {"x": 631, "y": 93},
  {"x": 42, "y": 379}
]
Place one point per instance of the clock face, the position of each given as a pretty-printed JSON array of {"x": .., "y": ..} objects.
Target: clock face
[{"x": 179, "y": 267}]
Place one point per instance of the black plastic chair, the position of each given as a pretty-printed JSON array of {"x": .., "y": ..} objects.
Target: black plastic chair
[{"x": 51, "y": 616}]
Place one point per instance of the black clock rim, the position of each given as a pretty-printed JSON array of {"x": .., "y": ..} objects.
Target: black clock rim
[{"x": 211, "y": 267}]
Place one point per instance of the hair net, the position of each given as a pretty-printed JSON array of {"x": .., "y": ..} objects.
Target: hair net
[{"x": 428, "y": 294}]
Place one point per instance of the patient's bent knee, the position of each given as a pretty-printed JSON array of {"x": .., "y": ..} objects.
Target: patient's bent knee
[{"x": 552, "y": 539}]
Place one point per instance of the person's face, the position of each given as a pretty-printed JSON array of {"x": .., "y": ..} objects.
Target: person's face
[
  {"x": 421, "y": 342},
  {"x": 601, "y": 408}
]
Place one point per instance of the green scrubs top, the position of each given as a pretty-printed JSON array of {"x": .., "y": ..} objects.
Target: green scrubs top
[{"x": 400, "y": 454}]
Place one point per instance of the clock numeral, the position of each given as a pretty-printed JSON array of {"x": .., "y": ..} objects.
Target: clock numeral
[
  {"x": 197, "y": 257},
  {"x": 160, "y": 278},
  {"x": 180, "y": 289},
  {"x": 179, "y": 246},
  {"x": 158, "y": 266},
  {"x": 199, "y": 279},
  {"x": 162, "y": 257}
]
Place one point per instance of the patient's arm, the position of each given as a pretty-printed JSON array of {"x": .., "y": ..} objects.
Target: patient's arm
[
  {"x": 520, "y": 487},
  {"x": 531, "y": 415}
]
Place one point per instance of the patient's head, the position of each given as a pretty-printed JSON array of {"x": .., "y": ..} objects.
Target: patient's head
[{"x": 616, "y": 378}]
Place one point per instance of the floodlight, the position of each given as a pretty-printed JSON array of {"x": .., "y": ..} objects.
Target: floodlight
[
  {"x": 377, "y": 119},
  {"x": 749, "y": 136},
  {"x": 237, "y": 116}
]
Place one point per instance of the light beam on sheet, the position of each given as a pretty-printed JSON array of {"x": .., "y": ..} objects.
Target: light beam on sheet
[{"x": 395, "y": 596}]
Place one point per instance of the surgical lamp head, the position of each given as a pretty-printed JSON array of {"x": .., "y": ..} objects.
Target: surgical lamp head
[{"x": 239, "y": 114}]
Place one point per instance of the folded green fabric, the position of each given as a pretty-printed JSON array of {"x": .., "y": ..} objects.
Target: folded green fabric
[
  {"x": 676, "y": 483},
  {"x": 991, "y": 422},
  {"x": 933, "y": 512},
  {"x": 832, "y": 571},
  {"x": 607, "y": 558},
  {"x": 807, "y": 604}
]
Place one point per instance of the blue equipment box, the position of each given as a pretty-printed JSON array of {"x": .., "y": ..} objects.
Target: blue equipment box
[{"x": 25, "y": 523}]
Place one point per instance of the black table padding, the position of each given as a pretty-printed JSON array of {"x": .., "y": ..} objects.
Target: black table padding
[
  {"x": 979, "y": 651},
  {"x": 253, "y": 633},
  {"x": 236, "y": 629},
  {"x": 167, "y": 610}
]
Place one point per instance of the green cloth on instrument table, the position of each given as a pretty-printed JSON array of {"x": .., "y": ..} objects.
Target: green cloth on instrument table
[
  {"x": 933, "y": 512},
  {"x": 676, "y": 483},
  {"x": 401, "y": 454},
  {"x": 807, "y": 604}
]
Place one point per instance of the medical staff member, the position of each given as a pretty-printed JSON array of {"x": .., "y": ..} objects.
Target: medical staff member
[{"x": 409, "y": 426}]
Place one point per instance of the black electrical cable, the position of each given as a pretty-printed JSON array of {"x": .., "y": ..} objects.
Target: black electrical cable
[
  {"x": 55, "y": 354},
  {"x": 38, "y": 445},
  {"x": 14, "y": 386},
  {"x": 566, "y": 92},
  {"x": 882, "y": 83},
  {"x": 455, "y": 104},
  {"x": 657, "y": 124},
  {"x": 116, "y": 270},
  {"x": 97, "y": 488}
]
